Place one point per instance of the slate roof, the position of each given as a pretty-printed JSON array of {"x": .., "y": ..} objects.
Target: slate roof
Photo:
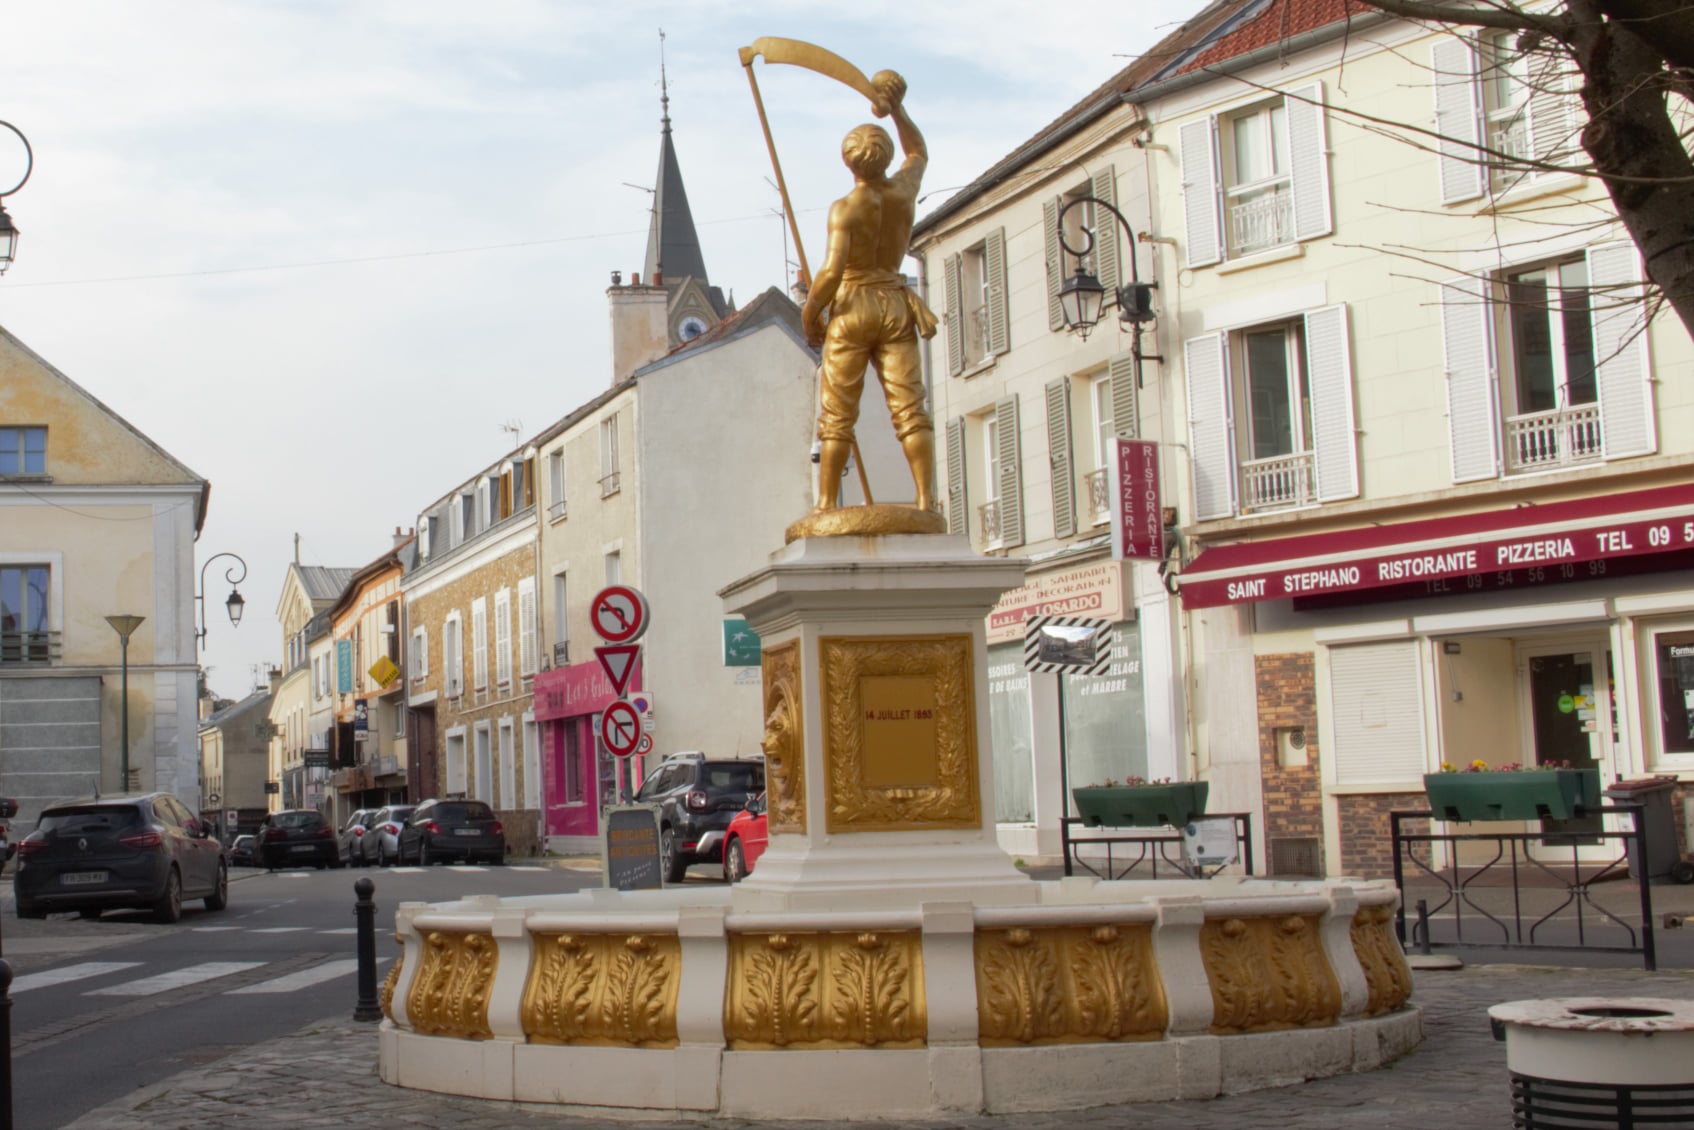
[
  {"x": 234, "y": 710},
  {"x": 673, "y": 245},
  {"x": 772, "y": 304},
  {"x": 323, "y": 582}
]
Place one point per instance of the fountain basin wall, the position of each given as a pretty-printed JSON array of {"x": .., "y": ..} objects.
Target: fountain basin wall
[{"x": 733, "y": 1001}]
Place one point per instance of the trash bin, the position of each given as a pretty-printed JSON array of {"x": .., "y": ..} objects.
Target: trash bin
[{"x": 1658, "y": 822}]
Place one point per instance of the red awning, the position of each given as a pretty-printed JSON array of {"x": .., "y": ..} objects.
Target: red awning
[{"x": 1526, "y": 545}]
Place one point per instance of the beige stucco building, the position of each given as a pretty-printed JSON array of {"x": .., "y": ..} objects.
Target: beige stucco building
[
  {"x": 95, "y": 520},
  {"x": 368, "y": 739},
  {"x": 300, "y": 701}
]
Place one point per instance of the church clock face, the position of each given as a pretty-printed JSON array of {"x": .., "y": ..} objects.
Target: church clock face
[{"x": 691, "y": 327}]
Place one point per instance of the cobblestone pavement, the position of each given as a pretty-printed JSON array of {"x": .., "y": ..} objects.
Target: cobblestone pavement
[{"x": 324, "y": 1076}]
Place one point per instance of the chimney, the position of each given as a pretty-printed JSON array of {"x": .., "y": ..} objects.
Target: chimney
[
  {"x": 640, "y": 325},
  {"x": 399, "y": 538},
  {"x": 275, "y": 679}
]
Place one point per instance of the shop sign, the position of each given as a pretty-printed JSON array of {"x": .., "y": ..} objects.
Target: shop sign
[
  {"x": 740, "y": 643},
  {"x": 1088, "y": 590},
  {"x": 344, "y": 666},
  {"x": 581, "y": 688},
  {"x": 1138, "y": 528}
]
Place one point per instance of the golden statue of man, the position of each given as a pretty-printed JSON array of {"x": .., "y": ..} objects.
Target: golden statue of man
[{"x": 875, "y": 319}]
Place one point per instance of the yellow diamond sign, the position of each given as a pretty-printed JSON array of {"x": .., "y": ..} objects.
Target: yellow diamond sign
[{"x": 384, "y": 671}]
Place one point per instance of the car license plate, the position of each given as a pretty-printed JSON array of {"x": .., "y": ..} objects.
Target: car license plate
[
  {"x": 78, "y": 877},
  {"x": 301, "y": 847},
  {"x": 466, "y": 832}
]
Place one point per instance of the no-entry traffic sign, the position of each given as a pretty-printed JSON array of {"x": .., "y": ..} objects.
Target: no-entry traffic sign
[
  {"x": 619, "y": 614},
  {"x": 620, "y": 728}
]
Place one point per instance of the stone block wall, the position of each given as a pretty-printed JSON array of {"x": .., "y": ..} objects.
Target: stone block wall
[
  {"x": 1293, "y": 795},
  {"x": 1367, "y": 844}
]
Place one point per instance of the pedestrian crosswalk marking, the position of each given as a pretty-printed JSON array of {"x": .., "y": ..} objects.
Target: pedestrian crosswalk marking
[
  {"x": 212, "y": 929},
  {"x": 526, "y": 867},
  {"x": 175, "y": 979},
  {"x": 305, "y": 978},
  {"x": 406, "y": 870},
  {"x": 67, "y": 973},
  {"x": 466, "y": 867},
  {"x": 279, "y": 929},
  {"x": 343, "y": 930}
]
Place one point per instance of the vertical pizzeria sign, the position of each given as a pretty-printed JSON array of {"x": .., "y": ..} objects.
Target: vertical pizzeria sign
[{"x": 1138, "y": 530}]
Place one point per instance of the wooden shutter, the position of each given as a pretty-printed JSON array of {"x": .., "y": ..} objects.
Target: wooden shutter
[
  {"x": 1458, "y": 120},
  {"x": 1624, "y": 374},
  {"x": 1211, "y": 425},
  {"x": 1472, "y": 401},
  {"x": 1200, "y": 203},
  {"x": 1335, "y": 464},
  {"x": 1126, "y": 420},
  {"x": 1308, "y": 155},
  {"x": 1055, "y": 262},
  {"x": 1059, "y": 457},
  {"x": 994, "y": 262},
  {"x": 1376, "y": 692},
  {"x": 1011, "y": 471},
  {"x": 952, "y": 271},
  {"x": 1104, "y": 186},
  {"x": 958, "y": 516}
]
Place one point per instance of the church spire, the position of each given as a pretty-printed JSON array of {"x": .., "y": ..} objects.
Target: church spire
[{"x": 673, "y": 246}]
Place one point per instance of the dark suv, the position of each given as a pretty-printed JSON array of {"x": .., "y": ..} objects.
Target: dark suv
[
  {"x": 439, "y": 830},
  {"x": 99, "y": 854},
  {"x": 295, "y": 837},
  {"x": 697, "y": 796}
]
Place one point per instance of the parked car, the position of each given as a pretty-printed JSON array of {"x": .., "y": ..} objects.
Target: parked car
[
  {"x": 297, "y": 836},
  {"x": 244, "y": 852},
  {"x": 440, "y": 830},
  {"x": 381, "y": 845},
  {"x": 697, "y": 796},
  {"x": 349, "y": 848},
  {"x": 105, "y": 853},
  {"x": 745, "y": 839}
]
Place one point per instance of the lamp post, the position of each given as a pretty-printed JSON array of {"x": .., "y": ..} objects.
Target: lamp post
[
  {"x": 1081, "y": 296},
  {"x": 9, "y": 230},
  {"x": 235, "y": 604},
  {"x": 125, "y": 626}
]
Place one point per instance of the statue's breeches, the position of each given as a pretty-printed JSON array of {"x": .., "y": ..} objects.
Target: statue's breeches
[{"x": 871, "y": 326}]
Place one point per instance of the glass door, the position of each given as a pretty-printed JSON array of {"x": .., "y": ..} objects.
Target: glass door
[{"x": 1567, "y": 706}]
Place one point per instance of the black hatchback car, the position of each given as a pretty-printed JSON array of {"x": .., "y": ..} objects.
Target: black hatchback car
[
  {"x": 106, "y": 853},
  {"x": 697, "y": 796},
  {"x": 440, "y": 830},
  {"x": 297, "y": 837}
]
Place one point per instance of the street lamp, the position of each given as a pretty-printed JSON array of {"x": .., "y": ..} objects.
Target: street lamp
[
  {"x": 9, "y": 230},
  {"x": 1082, "y": 296},
  {"x": 235, "y": 604},
  {"x": 125, "y": 626}
]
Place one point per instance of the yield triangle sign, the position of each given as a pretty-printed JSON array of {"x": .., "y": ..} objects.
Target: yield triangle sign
[{"x": 618, "y": 661}]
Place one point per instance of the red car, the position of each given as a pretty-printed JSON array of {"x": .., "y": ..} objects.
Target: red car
[{"x": 744, "y": 840}]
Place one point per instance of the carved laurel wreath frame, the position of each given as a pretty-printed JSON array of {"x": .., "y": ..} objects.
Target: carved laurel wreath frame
[{"x": 857, "y": 806}]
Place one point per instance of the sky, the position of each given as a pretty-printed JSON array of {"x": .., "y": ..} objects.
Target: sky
[{"x": 325, "y": 252}]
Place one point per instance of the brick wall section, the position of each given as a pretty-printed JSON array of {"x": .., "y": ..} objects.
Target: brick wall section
[
  {"x": 1680, "y": 797},
  {"x": 1293, "y": 797},
  {"x": 1367, "y": 844}
]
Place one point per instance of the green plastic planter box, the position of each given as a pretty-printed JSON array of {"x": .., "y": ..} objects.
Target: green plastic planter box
[
  {"x": 1526, "y": 794},
  {"x": 1141, "y": 806}
]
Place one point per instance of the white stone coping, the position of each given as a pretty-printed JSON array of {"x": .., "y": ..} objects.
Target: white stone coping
[{"x": 1561, "y": 1013}]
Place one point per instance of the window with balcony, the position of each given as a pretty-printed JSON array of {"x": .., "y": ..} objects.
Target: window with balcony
[
  {"x": 23, "y": 451},
  {"x": 609, "y": 456},
  {"x": 1255, "y": 178},
  {"x": 1547, "y": 365},
  {"x": 26, "y": 634},
  {"x": 1506, "y": 113},
  {"x": 977, "y": 314},
  {"x": 1086, "y": 226},
  {"x": 983, "y": 461},
  {"x": 1271, "y": 410},
  {"x": 556, "y": 507}
]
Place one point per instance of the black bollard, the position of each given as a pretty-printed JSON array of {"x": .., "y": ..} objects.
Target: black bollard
[
  {"x": 369, "y": 1007},
  {"x": 1420, "y": 932},
  {"x": 5, "y": 1044}
]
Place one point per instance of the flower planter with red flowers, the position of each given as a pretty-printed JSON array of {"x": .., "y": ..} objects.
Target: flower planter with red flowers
[
  {"x": 1138, "y": 804},
  {"x": 1512, "y": 793}
]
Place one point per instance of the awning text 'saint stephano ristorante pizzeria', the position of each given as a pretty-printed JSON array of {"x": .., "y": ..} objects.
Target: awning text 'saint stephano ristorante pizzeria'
[{"x": 1524, "y": 546}]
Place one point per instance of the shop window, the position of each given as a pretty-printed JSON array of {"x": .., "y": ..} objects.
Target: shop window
[{"x": 1673, "y": 668}]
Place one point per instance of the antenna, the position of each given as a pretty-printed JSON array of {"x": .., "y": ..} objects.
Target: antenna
[{"x": 515, "y": 427}]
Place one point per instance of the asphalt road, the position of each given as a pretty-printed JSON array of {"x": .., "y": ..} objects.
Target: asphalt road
[{"x": 102, "y": 1008}]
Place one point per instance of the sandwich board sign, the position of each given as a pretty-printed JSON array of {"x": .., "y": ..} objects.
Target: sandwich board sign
[{"x": 631, "y": 851}]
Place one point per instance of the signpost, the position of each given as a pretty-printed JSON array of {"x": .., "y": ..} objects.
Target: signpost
[
  {"x": 1064, "y": 645},
  {"x": 620, "y": 728},
  {"x": 618, "y": 661},
  {"x": 631, "y": 848},
  {"x": 619, "y": 613}
]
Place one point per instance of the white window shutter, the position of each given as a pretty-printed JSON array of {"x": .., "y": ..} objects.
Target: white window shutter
[
  {"x": 994, "y": 262},
  {"x": 526, "y": 626},
  {"x": 503, "y": 637},
  {"x": 1552, "y": 107},
  {"x": 1104, "y": 186},
  {"x": 479, "y": 643},
  {"x": 1376, "y": 692},
  {"x": 1335, "y": 460},
  {"x": 1011, "y": 471},
  {"x": 423, "y": 652},
  {"x": 1126, "y": 419},
  {"x": 1204, "y": 243},
  {"x": 1055, "y": 263},
  {"x": 1624, "y": 373},
  {"x": 1059, "y": 457},
  {"x": 1472, "y": 400},
  {"x": 958, "y": 513},
  {"x": 1211, "y": 425},
  {"x": 1308, "y": 154},
  {"x": 953, "y": 283},
  {"x": 1458, "y": 120}
]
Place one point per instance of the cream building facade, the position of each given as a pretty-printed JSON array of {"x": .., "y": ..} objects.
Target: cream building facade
[
  {"x": 368, "y": 735},
  {"x": 297, "y": 707},
  {"x": 95, "y": 520}
]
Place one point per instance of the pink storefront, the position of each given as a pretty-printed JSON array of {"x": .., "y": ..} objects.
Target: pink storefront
[{"x": 579, "y": 775}]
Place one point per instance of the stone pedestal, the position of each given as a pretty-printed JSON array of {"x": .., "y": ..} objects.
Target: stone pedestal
[{"x": 879, "y": 767}]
